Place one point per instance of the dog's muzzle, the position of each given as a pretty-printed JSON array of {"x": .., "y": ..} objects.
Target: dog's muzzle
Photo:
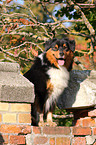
[{"x": 61, "y": 60}]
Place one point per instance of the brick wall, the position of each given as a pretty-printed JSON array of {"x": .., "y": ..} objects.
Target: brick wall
[
  {"x": 82, "y": 133},
  {"x": 16, "y": 129},
  {"x": 15, "y": 122}
]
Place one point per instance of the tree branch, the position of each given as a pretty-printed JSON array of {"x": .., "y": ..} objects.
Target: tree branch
[{"x": 89, "y": 26}]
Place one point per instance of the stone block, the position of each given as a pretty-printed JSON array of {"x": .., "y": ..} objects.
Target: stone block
[
  {"x": 13, "y": 86},
  {"x": 29, "y": 139},
  {"x": 90, "y": 139},
  {"x": 81, "y": 90}
]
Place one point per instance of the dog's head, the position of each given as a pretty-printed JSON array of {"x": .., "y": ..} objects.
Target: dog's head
[{"x": 59, "y": 52}]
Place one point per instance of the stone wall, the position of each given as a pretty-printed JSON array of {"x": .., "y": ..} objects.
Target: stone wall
[{"x": 16, "y": 96}]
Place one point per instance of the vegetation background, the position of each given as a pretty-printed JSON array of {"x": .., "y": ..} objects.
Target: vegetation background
[{"x": 25, "y": 26}]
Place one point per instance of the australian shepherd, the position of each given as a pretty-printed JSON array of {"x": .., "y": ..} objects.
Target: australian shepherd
[{"x": 50, "y": 75}]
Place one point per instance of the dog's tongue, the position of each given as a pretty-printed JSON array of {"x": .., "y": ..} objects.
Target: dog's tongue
[{"x": 61, "y": 62}]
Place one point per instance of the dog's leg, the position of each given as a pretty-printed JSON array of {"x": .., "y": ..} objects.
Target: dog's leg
[
  {"x": 50, "y": 120},
  {"x": 49, "y": 117},
  {"x": 41, "y": 121}
]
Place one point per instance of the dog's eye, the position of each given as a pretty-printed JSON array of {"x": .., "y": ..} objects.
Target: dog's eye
[
  {"x": 55, "y": 48},
  {"x": 65, "y": 47}
]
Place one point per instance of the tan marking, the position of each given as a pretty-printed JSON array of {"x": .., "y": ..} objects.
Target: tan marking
[
  {"x": 64, "y": 45},
  {"x": 69, "y": 57},
  {"x": 41, "y": 121},
  {"x": 41, "y": 117},
  {"x": 49, "y": 87},
  {"x": 56, "y": 46},
  {"x": 51, "y": 56}
]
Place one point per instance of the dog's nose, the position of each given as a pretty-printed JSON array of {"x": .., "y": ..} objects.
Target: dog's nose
[{"x": 61, "y": 53}]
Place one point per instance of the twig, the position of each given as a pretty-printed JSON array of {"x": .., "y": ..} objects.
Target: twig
[
  {"x": 22, "y": 45},
  {"x": 63, "y": 116},
  {"x": 79, "y": 64}
]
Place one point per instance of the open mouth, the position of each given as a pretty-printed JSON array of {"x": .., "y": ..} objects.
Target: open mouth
[{"x": 61, "y": 61}]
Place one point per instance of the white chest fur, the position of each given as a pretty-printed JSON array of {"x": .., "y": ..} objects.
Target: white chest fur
[{"x": 59, "y": 79}]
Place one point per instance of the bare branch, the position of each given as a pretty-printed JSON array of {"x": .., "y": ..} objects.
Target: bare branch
[
  {"x": 63, "y": 116},
  {"x": 79, "y": 63},
  {"x": 13, "y": 56},
  {"x": 23, "y": 45},
  {"x": 89, "y": 26}
]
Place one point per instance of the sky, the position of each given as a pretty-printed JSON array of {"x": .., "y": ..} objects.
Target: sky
[
  {"x": 67, "y": 24},
  {"x": 19, "y": 1}
]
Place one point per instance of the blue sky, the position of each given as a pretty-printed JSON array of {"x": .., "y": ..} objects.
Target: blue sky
[
  {"x": 67, "y": 24},
  {"x": 19, "y": 1}
]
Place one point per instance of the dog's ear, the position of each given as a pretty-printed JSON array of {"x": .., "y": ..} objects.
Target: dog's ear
[
  {"x": 49, "y": 43},
  {"x": 72, "y": 45}
]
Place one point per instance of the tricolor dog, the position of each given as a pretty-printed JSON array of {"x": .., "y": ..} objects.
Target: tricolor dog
[{"x": 50, "y": 75}]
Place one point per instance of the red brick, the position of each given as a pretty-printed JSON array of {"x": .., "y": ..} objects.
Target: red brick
[
  {"x": 36, "y": 130},
  {"x": 92, "y": 113},
  {"x": 77, "y": 122},
  {"x": 25, "y": 129},
  {"x": 81, "y": 131},
  {"x": 62, "y": 141},
  {"x": 88, "y": 122},
  {"x": 94, "y": 143},
  {"x": 9, "y": 128},
  {"x": 79, "y": 141},
  {"x": 56, "y": 130},
  {"x": 20, "y": 129},
  {"x": 52, "y": 141},
  {"x": 3, "y": 139},
  {"x": 14, "y": 139},
  {"x": 94, "y": 131},
  {"x": 40, "y": 140}
]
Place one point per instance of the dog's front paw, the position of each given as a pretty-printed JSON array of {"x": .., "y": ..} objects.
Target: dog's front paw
[
  {"x": 41, "y": 124},
  {"x": 51, "y": 123}
]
